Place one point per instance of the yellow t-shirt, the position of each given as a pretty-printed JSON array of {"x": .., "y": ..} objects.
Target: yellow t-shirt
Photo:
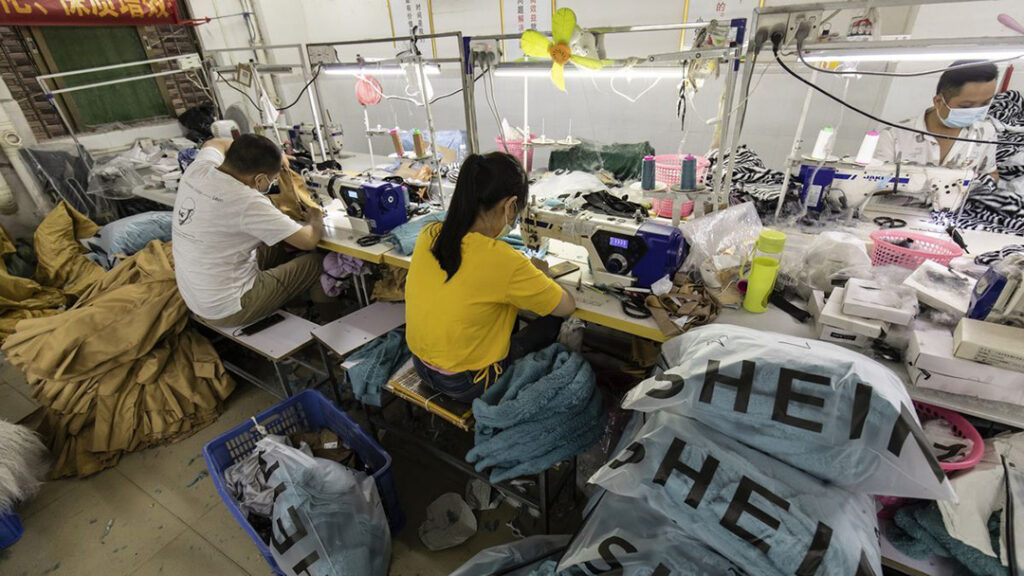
[{"x": 465, "y": 323}]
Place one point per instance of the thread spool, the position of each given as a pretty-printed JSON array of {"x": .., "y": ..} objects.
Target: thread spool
[
  {"x": 867, "y": 148},
  {"x": 417, "y": 143},
  {"x": 688, "y": 179},
  {"x": 396, "y": 140},
  {"x": 825, "y": 143},
  {"x": 647, "y": 173}
]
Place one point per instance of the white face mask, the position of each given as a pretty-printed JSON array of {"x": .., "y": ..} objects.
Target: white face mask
[
  {"x": 507, "y": 229},
  {"x": 962, "y": 117}
]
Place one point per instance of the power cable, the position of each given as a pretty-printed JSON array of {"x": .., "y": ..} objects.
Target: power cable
[{"x": 800, "y": 55}]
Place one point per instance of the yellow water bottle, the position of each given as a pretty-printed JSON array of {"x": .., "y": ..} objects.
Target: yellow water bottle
[{"x": 764, "y": 269}]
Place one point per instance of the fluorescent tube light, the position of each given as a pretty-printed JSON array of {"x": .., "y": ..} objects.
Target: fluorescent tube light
[
  {"x": 575, "y": 72},
  {"x": 357, "y": 70},
  {"x": 912, "y": 55}
]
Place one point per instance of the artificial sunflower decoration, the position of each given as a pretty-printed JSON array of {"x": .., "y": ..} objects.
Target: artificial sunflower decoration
[{"x": 558, "y": 48}]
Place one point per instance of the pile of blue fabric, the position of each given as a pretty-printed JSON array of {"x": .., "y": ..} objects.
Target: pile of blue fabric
[
  {"x": 544, "y": 409},
  {"x": 919, "y": 532},
  {"x": 378, "y": 361},
  {"x": 404, "y": 237}
]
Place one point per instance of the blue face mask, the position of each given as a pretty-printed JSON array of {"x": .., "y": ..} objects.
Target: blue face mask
[{"x": 963, "y": 117}]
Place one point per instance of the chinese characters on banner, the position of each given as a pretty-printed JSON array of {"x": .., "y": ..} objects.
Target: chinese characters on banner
[
  {"x": 523, "y": 15},
  {"x": 88, "y": 12},
  {"x": 526, "y": 15}
]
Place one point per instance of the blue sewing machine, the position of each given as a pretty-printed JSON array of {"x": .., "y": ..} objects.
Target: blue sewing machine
[
  {"x": 375, "y": 205},
  {"x": 999, "y": 294},
  {"x": 622, "y": 251}
]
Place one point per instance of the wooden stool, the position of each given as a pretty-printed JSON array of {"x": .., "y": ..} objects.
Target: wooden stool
[{"x": 408, "y": 386}]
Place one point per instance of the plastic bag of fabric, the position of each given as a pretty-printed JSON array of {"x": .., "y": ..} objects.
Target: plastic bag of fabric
[
  {"x": 629, "y": 537},
  {"x": 826, "y": 410},
  {"x": 765, "y": 516},
  {"x": 328, "y": 519},
  {"x": 129, "y": 235},
  {"x": 519, "y": 558},
  {"x": 721, "y": 240}
]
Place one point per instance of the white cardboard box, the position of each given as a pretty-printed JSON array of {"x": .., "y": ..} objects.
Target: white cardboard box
[
  {"x": 941, "y": 288},
  {"x": 841, "y": 336},
  {"x": 833, "y": 315},
  {"x": 988, "y": 343},
  {"x": 816, "y": 303},
  {"x": 1008, "y": 394},
  {"x": 931, "y": 364},
  {"x": 870, "y": 299}
]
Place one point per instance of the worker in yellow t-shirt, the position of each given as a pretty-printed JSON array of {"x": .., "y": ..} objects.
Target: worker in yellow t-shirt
[{"x": 466, "y": 287}]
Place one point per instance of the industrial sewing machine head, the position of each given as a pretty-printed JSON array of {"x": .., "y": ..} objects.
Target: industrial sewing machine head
[
  {"x": 903, "y": 185},
  {"x": 622, "y": 251},
  {"x": 373, "y": 206}
]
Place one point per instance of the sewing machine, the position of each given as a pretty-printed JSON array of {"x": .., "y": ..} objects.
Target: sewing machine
[
  {"x": 304, "y": 136},
  {"x": 373, "y": 206},
  {"x": 999, "y": 294},
  {"x": 903, "y": 186},
  {"x": 622, "y": 251}
]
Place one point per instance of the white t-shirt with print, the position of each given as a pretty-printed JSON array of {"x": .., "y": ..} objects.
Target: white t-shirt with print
[
  {"x": 218, "y": 225},
  {"x": 923, "y": 150}
]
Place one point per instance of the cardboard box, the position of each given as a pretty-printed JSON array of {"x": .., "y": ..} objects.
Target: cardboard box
[
  {"x": 931, "y": 364},
  {"x": 988, "y": 343},
  {"x": 841, "y": 336},
  {"x": 942, "y": 288},
  {"x": 998, "y": 392},
  {"x": 833, "y": 316},
  {"x": 870, "y": 299},
  {"x": 816, "y": 303}
]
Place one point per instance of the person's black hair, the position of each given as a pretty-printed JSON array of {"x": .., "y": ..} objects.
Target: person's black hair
[
  {"x": 484, "y": 182},
  {"x": 953, "y": 80},
  {"x": 252, "y": 154}
]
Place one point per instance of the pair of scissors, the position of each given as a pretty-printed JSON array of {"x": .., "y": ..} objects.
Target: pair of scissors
[
  {"x": 633, "y": 304},
  {"x": 887, "y": 222}
]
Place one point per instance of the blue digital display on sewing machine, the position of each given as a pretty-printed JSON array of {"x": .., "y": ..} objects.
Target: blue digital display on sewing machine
[
  {"x": 618, "y": 242},
  {"x": 353, "y": 194}
]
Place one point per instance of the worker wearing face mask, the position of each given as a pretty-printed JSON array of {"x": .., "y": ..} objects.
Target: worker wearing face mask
[
  {"x": 230, "y": 259},
  {"x": 960, "y": 107},
  {"x": 466, "y": 287}
]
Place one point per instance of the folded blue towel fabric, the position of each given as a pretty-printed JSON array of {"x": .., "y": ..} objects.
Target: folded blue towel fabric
[
  {"x": 378, "y": 361},
  {"x": 404, "y": 237},
  {"x": 544, "y": 409},
  {"x": 919, "y": 532}
]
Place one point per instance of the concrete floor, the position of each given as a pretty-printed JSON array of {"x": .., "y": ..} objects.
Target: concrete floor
[{"x": 158, "y": 512}]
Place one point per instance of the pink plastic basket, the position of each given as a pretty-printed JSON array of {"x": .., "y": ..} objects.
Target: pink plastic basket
[
  {"x": 886, "y": 253},
  {"x": 962, "y": 428},
  {"x": 515, "y": 148},
  {"x": 668, "y": 168}
]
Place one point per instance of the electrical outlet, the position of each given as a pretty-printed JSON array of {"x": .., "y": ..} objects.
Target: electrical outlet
[
  {"x": 322, "y": 55},
  {"x": 484, "y": 53},
  {"x": 769, "y": 23},
  {"x": 190, "y": 62},
  {"x": 797, "y": 18}
]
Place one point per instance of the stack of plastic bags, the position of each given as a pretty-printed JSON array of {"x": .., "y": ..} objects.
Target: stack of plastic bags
[{"x": 754, "y": 453}]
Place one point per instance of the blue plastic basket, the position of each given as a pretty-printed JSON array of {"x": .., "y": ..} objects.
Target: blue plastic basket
[
  {"x": 308, "y": 411},
  {"x": 10, "y": 529}
]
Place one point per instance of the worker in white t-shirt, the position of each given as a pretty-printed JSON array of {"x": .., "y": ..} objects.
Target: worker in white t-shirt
[
  {"x": 960, "y": 107},
  {"x": 230, "y": 258}
]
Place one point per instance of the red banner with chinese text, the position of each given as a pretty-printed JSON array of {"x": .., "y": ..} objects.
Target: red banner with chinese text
[{"x": 88, "y": 12}]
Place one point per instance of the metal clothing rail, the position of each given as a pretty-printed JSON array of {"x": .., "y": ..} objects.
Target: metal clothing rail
[
  {"x": 731, "y": 55},
  {"x": 186, "y": 63},
  {"x": 419, "y": 61},
  {"x": 213, "y": 69},
  {"x": 895, "y": 46}
]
